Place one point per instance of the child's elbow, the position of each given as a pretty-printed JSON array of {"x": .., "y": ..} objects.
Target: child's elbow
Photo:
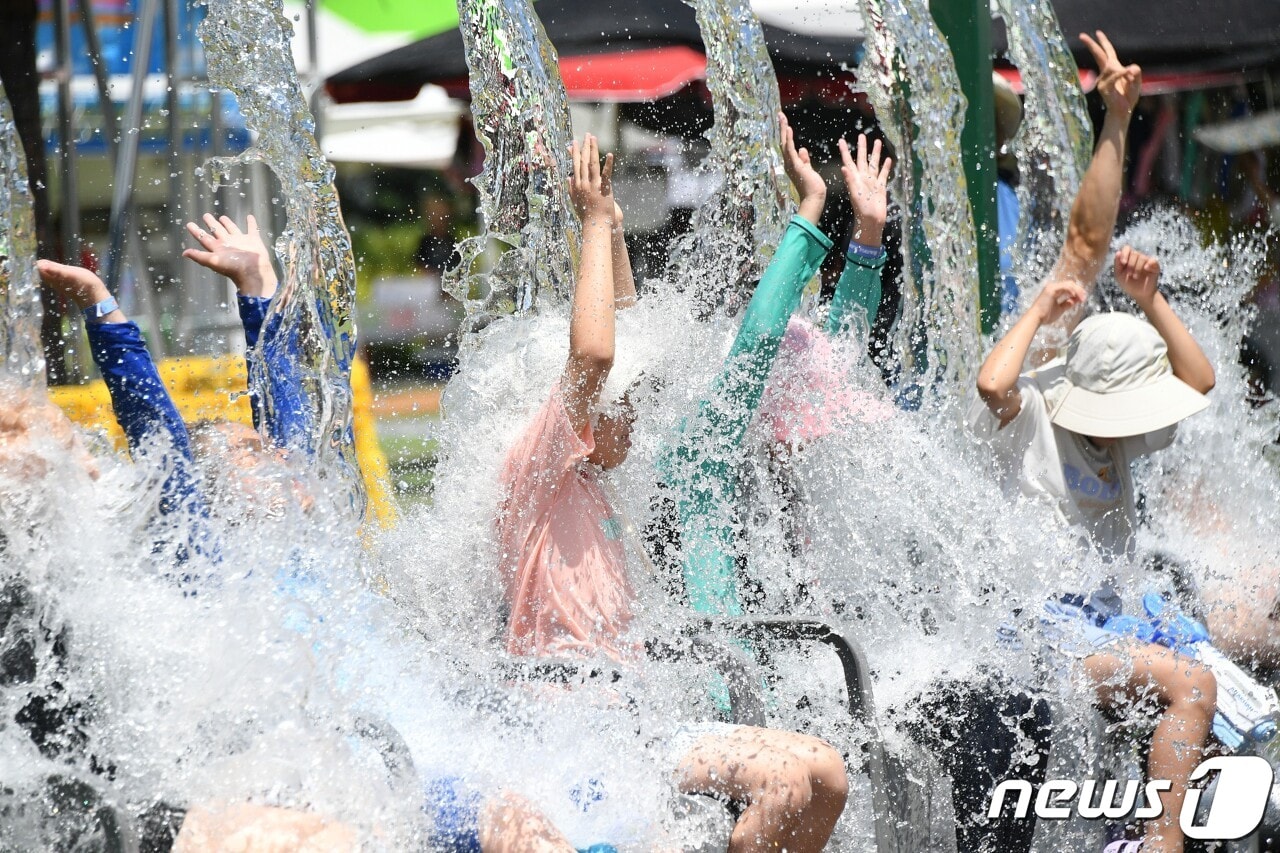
[
  {"x": 597, "y": 358},
  {"x": 990, "y": 390},
  {"x": 1086, "y": 240}
]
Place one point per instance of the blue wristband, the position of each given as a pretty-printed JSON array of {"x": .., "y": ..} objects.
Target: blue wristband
[
  {"x": 95, "y": 313},
  {"x": 870, "y": 253}
]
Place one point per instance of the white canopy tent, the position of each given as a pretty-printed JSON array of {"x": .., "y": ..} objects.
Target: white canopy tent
[
  {"x": 837, "y": 18},
  {"x": 421, "y": 133}
]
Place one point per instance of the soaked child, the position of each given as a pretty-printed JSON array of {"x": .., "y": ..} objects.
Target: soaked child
[
  {"x": 497, "y": 822},
  {"x": 811, "y": 390},
  {"x": 561, "y": 553},
  {"x": 701, "y": 467},
  {"x": 1067, "y": 433}
]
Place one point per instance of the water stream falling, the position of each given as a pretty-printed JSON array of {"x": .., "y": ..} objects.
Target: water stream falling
[
  {"x": 1055, "y": 140},
  {"x": 735, "y": 231},
  {"x": 21, "y": 354},
  {"x": 521, "y": 115},
  {"x": 272, "y": 684},
  {"x": 910, "y": 77},
  {"x": 247, "y": 47}
]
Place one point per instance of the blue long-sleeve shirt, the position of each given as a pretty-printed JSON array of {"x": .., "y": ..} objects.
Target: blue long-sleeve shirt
[
  {"x": 147, "y": 416},
  {"x": 288, "y": 425},
  {"x": 144, "y": 410},
  {"x": 141, "y": 403}
]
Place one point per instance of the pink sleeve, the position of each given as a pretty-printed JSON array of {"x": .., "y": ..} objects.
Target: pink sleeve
[{"x": 549, "y": 448}]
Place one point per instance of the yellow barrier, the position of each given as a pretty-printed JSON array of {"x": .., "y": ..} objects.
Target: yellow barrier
[{"x": 213, "y": 388}]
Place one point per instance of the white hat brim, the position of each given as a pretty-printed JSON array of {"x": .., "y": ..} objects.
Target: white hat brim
[{"x": 1121, "y": 414}]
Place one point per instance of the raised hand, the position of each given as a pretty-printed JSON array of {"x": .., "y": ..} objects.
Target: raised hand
[
  {"x": 591, "y": 185},
  {"x": 77, "y": 285},
  {"x": 867, "y": 179},
  {"x": 239, "y": 255},
  {"x": 1138, "y": 275},
  {"x": 1057, "y": 298},
  {"x": 808, "y": 183},
  {"x": 1119, "y": 85}
]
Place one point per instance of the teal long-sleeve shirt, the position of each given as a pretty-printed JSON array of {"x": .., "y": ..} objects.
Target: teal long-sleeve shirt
[
  {"x": 859, "y": 287},
  {"x": 702, "y": 466}
]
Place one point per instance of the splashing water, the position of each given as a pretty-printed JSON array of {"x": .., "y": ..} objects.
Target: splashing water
[
  {"x": 910, "y": 78},
  {"x": 1213, "y": 499},
  {"x": 521, "y": 115},
  {"x": 266, "y": 686},
  {"x": 1055, "y": 140},
  {"x": 735, "y": 232},
  {"x": 247, "y": 46},
  {"x": 21, "y": 354}
]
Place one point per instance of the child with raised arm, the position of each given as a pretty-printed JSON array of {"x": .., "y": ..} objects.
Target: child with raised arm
[
  {"x": 806, "y": 398},
  {"x": 701, "y": 467},
  {"x": 1067, "y": 432},
  {"x": 242, "y": 256},
  {"x": 142, "y": 404},
  {"x": 564, "y": 567},
  {"x": 809, "y": 392}
]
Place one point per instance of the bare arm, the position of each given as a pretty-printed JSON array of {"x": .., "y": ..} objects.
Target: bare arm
[
  {"x": 998, "y": 376},
  {"x": 1138, "y": 276},
  {"x": 1093, "y": 215},
  {"x": 591, "y": 325},
  {"x": 624, "y": 282}
]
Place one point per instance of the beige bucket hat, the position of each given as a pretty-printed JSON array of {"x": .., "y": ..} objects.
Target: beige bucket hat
[{"x": 1118, "y": 381}]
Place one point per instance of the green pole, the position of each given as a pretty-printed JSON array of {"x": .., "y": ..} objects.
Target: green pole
[{"x": 966, "y": 25}]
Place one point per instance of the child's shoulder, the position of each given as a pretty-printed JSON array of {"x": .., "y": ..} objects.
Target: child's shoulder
[{"x": 1048, "y": 374}]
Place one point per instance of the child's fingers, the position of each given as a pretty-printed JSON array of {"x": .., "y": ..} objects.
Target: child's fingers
[
  {"x": 593, "y": 160},
  {"x": 201, "y": 237},
  {"x": 885, "y": 169},
  {"x": 606, "y": 175},
  {"x": 575, "y": 175},
  {"x": 862, "y": 152},
  {"x": 211, "y": 222},
  {"x": 1107, "y": 46},
  {"x": 877, "y": 151},
  {"x": 204, "y": 259},
  {"x": 804, "y": 155},
  {"x": 52, "y": 271},
  {"x": 230, "y": 224},
  {"x": 845, "y": 157},
  {"x": 251, "y": 224},
  {"x": 1099, "y": 55}
]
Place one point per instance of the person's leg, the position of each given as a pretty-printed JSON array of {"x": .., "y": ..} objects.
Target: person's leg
[
  {"x": 794, "y": 786},
  {"x": 979, "y": 732},
  {"x": 1189, "y": 694},
  {"x": 511, "y": 824},
  {"x": 244, "y": 826}
]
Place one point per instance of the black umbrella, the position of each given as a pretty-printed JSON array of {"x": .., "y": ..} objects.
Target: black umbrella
[
  {"x": 580, "y": 28},
  {"x": 1185, "y": 36}
]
